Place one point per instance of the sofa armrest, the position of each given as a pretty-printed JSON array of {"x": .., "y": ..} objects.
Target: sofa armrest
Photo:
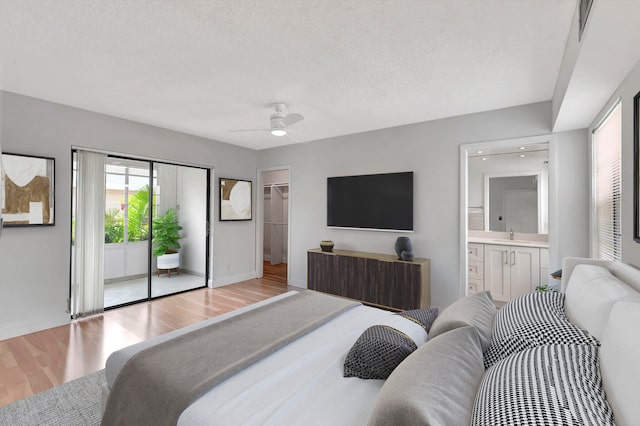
[{"x": 569, "y": 263}]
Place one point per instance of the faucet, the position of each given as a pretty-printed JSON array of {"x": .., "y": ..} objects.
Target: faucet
[{"x": 511, "y": 234}]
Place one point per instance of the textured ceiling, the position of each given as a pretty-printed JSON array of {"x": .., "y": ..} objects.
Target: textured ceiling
[{"x": 208, "y": 67}]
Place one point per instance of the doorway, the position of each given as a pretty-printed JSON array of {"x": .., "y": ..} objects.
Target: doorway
[
  {"x": 115, "y": 229},
  {"x": 517, "y": 169},
  {"x": 274, "y": 239}
]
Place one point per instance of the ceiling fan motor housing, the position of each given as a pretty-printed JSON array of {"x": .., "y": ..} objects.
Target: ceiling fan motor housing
[{"x": 276, "y": 122}]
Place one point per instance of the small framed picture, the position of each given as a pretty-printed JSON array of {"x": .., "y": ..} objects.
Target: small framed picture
[
  {"x": 235, "y": 199},
  {"x": 28, "y": 195}
]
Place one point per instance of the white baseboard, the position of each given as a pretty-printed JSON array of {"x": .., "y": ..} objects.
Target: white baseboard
[
  {"x": 19, "y": 328},
  {"x": 298, "y": 283},
  {"x": 219, "y": 282}
]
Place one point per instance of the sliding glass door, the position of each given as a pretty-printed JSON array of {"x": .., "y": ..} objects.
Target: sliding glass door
[
  {"x": 154, "y": 234},
  {"x": 128, "y": 207},
  {"x": 181, "y": 192}
]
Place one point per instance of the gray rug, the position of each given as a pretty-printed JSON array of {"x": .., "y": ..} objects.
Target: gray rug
[{"x": 75, "y": 403}]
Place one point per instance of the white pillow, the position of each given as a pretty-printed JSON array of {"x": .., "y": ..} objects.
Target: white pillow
[
  {"x": 590, "y": 295},
  {"x": 619, "y": 355}
]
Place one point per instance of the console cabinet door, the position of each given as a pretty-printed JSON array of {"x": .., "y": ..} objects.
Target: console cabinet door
[
  {"x": 496, "y": 272},
  {"x": 349, "y": 276},
  {"x": 321, "y": 271}
]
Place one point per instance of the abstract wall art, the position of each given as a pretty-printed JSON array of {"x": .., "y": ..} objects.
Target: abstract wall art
[
  {"x": 28, "y": 190},
  {"x": 235, "y": 199}
]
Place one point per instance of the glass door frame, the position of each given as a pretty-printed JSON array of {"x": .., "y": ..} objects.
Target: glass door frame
[{"x": 151, "y": 163}]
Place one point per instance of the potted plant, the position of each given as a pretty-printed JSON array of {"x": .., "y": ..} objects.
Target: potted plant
[{"x": 166, "y": 237}]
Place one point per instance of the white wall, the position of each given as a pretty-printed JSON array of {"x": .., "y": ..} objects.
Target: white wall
[
  {"x": 627, "y": 90},
  {"x": 569, "y": 191},
  {"x": 34, "y": 283},
  {"x": 192, "y": 205},
  {"x": 431, "y": 150}
]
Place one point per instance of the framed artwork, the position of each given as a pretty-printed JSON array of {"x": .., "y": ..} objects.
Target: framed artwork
[
  {"x": 28, "y": 196},
  {"x": 636, "y": 168},
  {"x": 235, "y": 199}
]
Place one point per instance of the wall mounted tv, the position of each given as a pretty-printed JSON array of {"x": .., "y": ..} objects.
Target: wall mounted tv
[{"x": 380, "y": 201}]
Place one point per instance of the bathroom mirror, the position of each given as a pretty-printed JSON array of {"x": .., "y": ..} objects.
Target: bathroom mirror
[{"x": 508, "y": 189}]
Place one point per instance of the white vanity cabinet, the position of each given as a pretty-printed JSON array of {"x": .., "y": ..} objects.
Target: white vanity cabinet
[
  {"x": 511, "y": 271},
  {"x": 475, "y": 268},
  {"x": 506, "y": 270}
]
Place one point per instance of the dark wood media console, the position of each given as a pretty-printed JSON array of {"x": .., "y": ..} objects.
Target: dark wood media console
[{"x": 376, "y": 279}]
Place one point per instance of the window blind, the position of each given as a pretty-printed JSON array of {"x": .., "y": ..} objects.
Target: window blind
[{"x": 607, "y": 142}]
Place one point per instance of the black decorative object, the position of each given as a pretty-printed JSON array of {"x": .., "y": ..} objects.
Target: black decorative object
[
  {"x": 407, "y": 255},
  {"x": 403, "y": 244},
  {"x": 326, "y": 246}
]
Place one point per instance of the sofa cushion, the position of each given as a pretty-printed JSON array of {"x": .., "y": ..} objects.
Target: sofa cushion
[
  {"x": 545, "y": 385},
  {"x": 532, "y": 320},
  {"x": 435, "y": 385},
  {"x": 619, "y": 355},
  {"x": 590, "y": 295},
  {"x": 476, "y": 310}
]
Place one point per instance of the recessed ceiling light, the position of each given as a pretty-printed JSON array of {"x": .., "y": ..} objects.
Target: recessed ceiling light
[
  {"x": 479, "y": 151},
  {"x": 522, "y": 155},
  {"x": 484, "y": 158},
  {"x": 522, "y": 147}
]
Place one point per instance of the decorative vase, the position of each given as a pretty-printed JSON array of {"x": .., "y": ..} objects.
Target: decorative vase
[
  {"x": 407, "y": 255},
  {"x": 326, "y": 245},
  {"x": 403, "y": 244}
]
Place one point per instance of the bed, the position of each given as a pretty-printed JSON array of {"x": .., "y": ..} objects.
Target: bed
[{"x": 442, "y": 381}]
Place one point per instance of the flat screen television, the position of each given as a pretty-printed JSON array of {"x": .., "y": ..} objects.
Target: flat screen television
[{"x": 380, "y": 201}]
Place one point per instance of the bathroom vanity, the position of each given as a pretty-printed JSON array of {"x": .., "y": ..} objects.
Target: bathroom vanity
[{"x": 506, "y": 267}]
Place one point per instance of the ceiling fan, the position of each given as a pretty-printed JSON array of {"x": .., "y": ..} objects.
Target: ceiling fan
[{"x": 278, "y": 121}]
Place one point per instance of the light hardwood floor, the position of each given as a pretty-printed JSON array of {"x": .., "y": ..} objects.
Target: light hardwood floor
[{"x": 38, "y": 361}]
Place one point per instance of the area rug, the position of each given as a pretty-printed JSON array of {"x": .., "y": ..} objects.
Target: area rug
[{"x": 77, "y": 403}]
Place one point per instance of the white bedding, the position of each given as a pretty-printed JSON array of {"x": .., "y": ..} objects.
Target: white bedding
[{"x": 300, "y": 384}]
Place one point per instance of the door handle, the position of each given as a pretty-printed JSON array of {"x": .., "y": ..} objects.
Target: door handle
[
  {"x": 513, "y": 258},
  {"x": 505, "y": 258}
]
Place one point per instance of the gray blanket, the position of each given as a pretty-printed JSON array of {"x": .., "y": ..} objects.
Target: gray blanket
[{"x": 159, "y": 383}]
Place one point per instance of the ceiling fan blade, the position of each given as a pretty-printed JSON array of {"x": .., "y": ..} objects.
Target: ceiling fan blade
[
  {"x": 292, "y": 119},
  {"x": 288, "y": 135},
  {"x": 248, "y": 130}
]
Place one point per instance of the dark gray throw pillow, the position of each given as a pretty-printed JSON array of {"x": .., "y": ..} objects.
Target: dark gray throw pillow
[
  {"x": 377, "y": 352},
  {"x": 424, "y": 317}
]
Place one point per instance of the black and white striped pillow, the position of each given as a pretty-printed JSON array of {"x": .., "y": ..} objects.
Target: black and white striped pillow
[
  {"x": 532, "y": 320},
  {"x": 546, "y": 385}
]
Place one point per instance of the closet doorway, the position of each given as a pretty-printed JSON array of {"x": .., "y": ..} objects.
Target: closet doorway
[{"x": 275, "y": 224}]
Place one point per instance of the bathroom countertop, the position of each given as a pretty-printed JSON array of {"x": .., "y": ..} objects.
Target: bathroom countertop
[{"x": 507, "y": 242}]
